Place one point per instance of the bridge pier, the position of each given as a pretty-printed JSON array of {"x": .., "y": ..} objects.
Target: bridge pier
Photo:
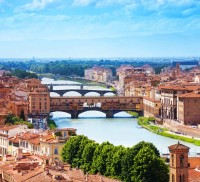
[
  {"x": 109, "y": 114},
  {"x": 74, "y": 115},
  {"x": 140, "y": 113}
]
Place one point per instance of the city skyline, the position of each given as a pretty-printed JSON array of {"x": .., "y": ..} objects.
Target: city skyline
[{"x": 93, "y": 28}]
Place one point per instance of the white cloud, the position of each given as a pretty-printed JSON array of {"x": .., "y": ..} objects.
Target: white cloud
[
  {"x": 100, "y": 3},
  {"x": 37, "y": 5},
  {"x": 83, "y": 2},
  {"x": 144, "y": 3}
]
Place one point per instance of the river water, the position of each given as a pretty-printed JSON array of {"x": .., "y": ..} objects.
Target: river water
[{"x": 120, "y": 130}]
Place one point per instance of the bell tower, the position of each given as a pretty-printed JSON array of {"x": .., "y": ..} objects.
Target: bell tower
[{"x": 178, "y": 163}]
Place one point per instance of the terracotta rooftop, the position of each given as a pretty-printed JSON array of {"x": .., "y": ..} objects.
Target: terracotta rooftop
[
  {"x": 190, "y": 95},
  {"x": 181, "y": 87},
  {"x": 7, "y": 127},
  {"x": 28, "y": 136},
  {"x": 151, "y": 99},
  {"x": 194, "y": 175},
  {"x": 14, "y": 139},
  {"x": 178, "y": 146}
]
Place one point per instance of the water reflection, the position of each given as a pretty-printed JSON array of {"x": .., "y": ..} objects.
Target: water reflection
[{"x": 119, "y": 131}]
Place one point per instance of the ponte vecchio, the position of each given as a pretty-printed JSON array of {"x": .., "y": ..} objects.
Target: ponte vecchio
[{"x": 108, "y": 105}]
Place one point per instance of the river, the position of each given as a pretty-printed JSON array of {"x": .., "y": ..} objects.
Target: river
[{"x": 120, "y": 130}]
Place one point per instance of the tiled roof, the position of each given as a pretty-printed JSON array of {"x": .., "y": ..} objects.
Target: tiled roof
[
  {"x": 178, "y": 146},
  {"x": 151, "y": 99},
  {"x": 193, "y": 175},
  {"x": 181, "y": 87},
  {"x": 28, "y": 136},
  {"x": 190, "y": 95},
  {"x": 14, "y": 139},
  {"x": 35, "y": 141},
  {"x": 7, "y": 128}
]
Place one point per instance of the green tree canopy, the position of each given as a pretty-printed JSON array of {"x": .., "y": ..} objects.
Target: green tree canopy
[
  {"x": 140, "y": 163},
  {"x": 149, "y": 167}
]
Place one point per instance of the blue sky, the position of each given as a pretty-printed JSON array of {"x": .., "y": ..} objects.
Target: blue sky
[{"x": 99, "y": 28}]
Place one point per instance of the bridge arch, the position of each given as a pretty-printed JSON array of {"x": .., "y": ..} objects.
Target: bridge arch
[
  {"x": 92, "y": 93},
  {"x": 92, "y": 114},
  {"x": 109, "y": 93},
  {"x": 72, "y": 93},
  {"x": 54, "y": 94},
  {"x": 120, "y": 114},
  {"x": 60, "y": 114}
]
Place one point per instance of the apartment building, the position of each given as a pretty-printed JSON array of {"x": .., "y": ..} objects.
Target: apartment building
[
  {"x": 169, "y": 95},
  {"x": 188, "y": 105},
  {"x": 39, "y": 101},
  {"x": 98, "y": 74},
  {"x": 7, "y": 132}
]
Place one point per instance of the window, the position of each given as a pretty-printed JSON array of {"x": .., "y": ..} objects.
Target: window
[
  {"x": 173, "y": 178},
  {"x": 172, "y": 158},
  {"x": 182, "y": 178},
  {"x": 182, "y": 161},
  {"x": 26, "y": 144},
  {"x": 55, "y": 151}
]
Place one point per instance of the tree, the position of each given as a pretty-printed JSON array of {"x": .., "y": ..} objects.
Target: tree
[
  {"x": 149, "y": 167},
  {"x": 58, "y": 133},
  {"x": 116, "y": 165},
  {"x": 72, "y": 150},
  {"x": 102, "y": 159},
  {"x": 128, "y": 158},
  {"x": 87, "y": 156}
]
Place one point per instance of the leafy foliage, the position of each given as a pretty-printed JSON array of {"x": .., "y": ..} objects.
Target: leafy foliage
[
  {"x": 148, "y": 167},
  {"x": 76, "y": 67},
  {"x": 58, "y": 133},
  {"x": 14, "y": 120},
  {"x": 117, "y": 162},
  {"x": 51, "y": 124},
  {"x": 23, "y": 74}
]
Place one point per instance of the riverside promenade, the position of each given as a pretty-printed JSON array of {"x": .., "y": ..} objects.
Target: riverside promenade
[{"x": 184, "y": 130}]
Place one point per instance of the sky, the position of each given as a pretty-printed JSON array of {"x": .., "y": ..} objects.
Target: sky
[{"x": 99, "y": 28}]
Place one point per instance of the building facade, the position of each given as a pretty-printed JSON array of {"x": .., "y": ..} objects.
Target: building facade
[
  {"x": 188, "y": 108},
  {"x": 178, "y": 163}
]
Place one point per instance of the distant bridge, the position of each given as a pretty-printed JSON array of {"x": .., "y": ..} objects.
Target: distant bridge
[
  {"x": 107, "y": 105},
  {"x": 81, "y": 85},
  {"x": 81, "y": 91}
]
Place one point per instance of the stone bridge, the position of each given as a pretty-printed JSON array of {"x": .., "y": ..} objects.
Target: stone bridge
[
  {"x": 82, "y": 92},
  {"x": 107, "y": 105},
  {"x": 79, "y": 90}
]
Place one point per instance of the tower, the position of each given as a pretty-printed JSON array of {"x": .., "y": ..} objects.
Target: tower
[
  {"x": 178, "y": 163},
  {"x": 177, "y": 69}
]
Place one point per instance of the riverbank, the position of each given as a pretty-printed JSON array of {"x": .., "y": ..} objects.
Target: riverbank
[{"x": 147, "y": 124}]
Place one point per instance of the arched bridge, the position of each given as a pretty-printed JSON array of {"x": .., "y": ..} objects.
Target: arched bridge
[
  {"x": 108, "y": 105},
  {"x": 82, "y": 92}
]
